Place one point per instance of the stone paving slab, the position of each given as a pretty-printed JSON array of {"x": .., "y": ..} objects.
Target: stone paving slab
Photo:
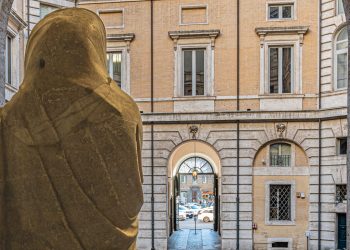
[{"x": 188, "y": 239}]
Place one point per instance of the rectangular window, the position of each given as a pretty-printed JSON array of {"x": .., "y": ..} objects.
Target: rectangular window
[
  {"x": 8, "y": 60},
  {"x": 280, "y": 155},
  {"x": 280, "y": 69},
  {"x": 280, "y": 202},
  {"x": 342, "y": 146},
  {"x": 114, "y": 66},
  {"x": 280, "y": 245},
  {"x": 280, "y": 11},
  {"x": 46, "y": 9},
  {"x": 340, "y": 7},
  {"x": 340, "y": 193},
  {"x": 193, "y": 72}
]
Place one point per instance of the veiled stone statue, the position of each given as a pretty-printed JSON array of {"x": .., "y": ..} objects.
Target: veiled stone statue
[{"x": 71, "y": 174}]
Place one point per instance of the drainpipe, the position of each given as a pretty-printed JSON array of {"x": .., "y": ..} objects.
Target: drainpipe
[
  {"x": 152, "y": 130},
  {"x": 319, "y": 126},
  {"x": 238, "y": 134},
  {"x": 28, "y": 18}
]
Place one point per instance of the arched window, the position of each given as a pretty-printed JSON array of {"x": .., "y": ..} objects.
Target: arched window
[
  {"x": 341, "y": 59},
  {"x": 280, "y": 155},
  {"x": 198, "y": 164}
]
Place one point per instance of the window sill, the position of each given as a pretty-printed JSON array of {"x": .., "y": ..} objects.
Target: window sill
[
  {"x": 280, "y": 223},
  {"x": 283, "y": 95},
  {"x": 188, "y": 98}
]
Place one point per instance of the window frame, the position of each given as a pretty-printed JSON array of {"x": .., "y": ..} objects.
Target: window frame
[
  {"x": 125, "y": 66},
  {"x": 8, "y": 59},
  {"x": 337, "y": 52},
  {"x": 281, "y": 2},
  {"x": 280, "y": 6},
  {"x": 194, "y": 71},
  {"x": 292, "y": 203},
  {"x": 336, "y": 193},
  {"x": 279, "y": 153},
  {"x": 280, "y": 66},
  {"x": 338, "y": 4},
  {"x": 183, "y": 178},
  {"x": 339, "y": 145},
  {"x": 208, "y": 69}
]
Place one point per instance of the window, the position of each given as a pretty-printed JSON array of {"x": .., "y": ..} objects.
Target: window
[
  {"x": 114, "y": 67},
  {"x": 277, "y": 12},
  {"x": 280, "y": 203},
  {"x": 193, "y": 72},
  {"x": 204, "y": 179},
  {"x": 340, "y": 196},
  {"x": 279, "y": 244},
  {"x": 340, "y": 7},
  {"x": 342, "y": 146},
  {"x": 183, "y": 178},
  {"x": 280, "y": 69},
  {"x": 341, "y": 59},
  {"x": 8, "y": 60},
  {"x": 46, "y": 9},
  {"x": 280, "y": 154}
]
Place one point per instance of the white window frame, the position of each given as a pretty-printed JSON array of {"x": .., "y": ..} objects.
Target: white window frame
[
  {"x": 114, "y": 10},
  {"x": 280, "y": 60},
  {"x": 296, "y": 70},
  {"x": 292, "y": 154},
  {"x": 8, "y": 61},
  {"x": 281, "y": 3},
  {"x": 125, "y": 67},
  {"x": 267, "y": 203},
  {"x": 272, "y": 240},
  {"x": 335, "y": 60},
  {"x": 208, "y": 69},
  {"x": 193, "y": 6},
  {"x": 339, "y": 3}
]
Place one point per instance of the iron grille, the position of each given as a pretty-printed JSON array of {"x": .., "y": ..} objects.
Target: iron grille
[
  {"x": 340, "y": 193},
  {"x": 280, "y": 202},
  {"x": 280, "y": 160}
]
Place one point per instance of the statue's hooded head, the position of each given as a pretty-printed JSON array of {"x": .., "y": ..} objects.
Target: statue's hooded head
[{"x": 67, "y": 46}]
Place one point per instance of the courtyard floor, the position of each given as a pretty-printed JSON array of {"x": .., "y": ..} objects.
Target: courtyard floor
[{"x": 188, "y": 239}]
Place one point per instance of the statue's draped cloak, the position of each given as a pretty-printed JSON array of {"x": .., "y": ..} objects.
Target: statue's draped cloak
[{"x": 71, "y": 174}]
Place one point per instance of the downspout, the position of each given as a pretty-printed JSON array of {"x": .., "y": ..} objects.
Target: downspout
[
  {"x": 238, "y": 134},
  {"x": 152, "y": 131},
  {"x": 28, "y": 18},
  {"x": 319, "y": 126}
]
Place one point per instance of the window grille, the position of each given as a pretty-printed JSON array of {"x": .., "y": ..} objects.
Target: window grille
[
  {"x": 340, "y": 193},
  {"x": 280, "y": 155},
  {"x": 280, "y": 202}
]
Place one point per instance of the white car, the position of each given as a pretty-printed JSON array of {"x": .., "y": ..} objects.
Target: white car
[
  {"x": 206, "y": 215},
  {"x": 182, "y": 215},
  {"x": 194, "y": 209}
]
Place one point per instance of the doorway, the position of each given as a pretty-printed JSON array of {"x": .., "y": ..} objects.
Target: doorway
[
  {"x": 341, "y": 231},
  {"x": 195, "y": 205}
]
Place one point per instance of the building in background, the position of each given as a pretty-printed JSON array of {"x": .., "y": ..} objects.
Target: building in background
[{"x": 262, "y": 99}]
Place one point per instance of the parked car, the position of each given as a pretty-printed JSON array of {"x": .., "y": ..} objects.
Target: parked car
[
  {"x": 194, "y": 209},
  {"x": 206, "y": 215},
  {"x": 182, "y": 215},
  {"x": 189, "y": 213}
]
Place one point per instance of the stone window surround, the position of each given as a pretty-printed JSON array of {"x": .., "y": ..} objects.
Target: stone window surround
[
  {"x": 281, "y": 36},
  {"x": 121, "y": 43},
  {"x": 114, "y": 10},
  {"x": 193, "y": 6},
  {"x": 271, "y": 240},
  {"x": 186, "y": 40},
  {"x": 267, "y": 203},
  {"x": 281, "y": 2}
]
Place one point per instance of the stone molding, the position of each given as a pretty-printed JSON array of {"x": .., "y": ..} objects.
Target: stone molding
[
  {"x": 127, "y": 38},
  {"x": 190, "y": 34},
  {"x": 265, "y": 31}
]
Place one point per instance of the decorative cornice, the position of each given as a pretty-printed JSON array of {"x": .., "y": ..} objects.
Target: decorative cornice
[
  {"x": 298, "y": 30},
  {"x": 190, "y": 34},
  {"x": 21, "y": 24},
  {"x": 127, "y": 38},
  {"x": 282, "y": 30}
]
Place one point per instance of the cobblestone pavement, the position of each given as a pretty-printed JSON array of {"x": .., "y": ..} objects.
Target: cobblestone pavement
[{"x": 188, "y": 239}]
